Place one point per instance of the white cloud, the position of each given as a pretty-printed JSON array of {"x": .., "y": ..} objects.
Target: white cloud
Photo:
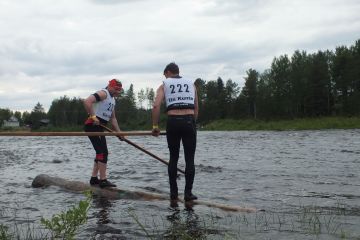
[{"x": 50, "y": 49}]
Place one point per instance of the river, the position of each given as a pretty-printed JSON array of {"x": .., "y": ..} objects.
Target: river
[{"x": 306, "y": 182}]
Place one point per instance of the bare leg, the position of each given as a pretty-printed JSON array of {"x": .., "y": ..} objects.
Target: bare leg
[
  {"x": 102, "y": 170},
  {"x": 95, "y": 170}
]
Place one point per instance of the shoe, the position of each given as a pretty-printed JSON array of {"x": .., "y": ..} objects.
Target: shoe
[
  {"x": 94, "y": 181},
  {"x": 173, "y": 197},
  {"x": 190, "y": 197},
  {"x": 174, "y": 204},
  {"x": 105, "y": 183}
]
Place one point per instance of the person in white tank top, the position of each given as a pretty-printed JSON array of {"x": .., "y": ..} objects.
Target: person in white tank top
[
  {"x": 101, "y": 109},
  {"x": 182, "y": 109}
]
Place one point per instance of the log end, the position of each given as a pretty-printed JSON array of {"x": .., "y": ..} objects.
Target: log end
[{"x": 40, "y": 181}]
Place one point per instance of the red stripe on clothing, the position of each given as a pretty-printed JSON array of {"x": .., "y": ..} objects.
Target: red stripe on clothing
[{"x": 89, "y": 121}]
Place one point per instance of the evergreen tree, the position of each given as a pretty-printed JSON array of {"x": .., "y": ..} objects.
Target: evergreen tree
[
  {"x": 231, "y": 93},
  {"x": 131, "y": 96},
  {"x": 249, "y": 91},
  {"x": 299, "y": 77},
  {"x": 341, "y": 74},
  {"x": 210, "y": 107},
  {"x": 221, "y": 98},
  {"x": 5, "y": 114},
  {"x": 201, "y": 94},
  {"x": 264, "y": 100},
  {"x": 36, "y": 115},
  {"x": 318, "y": 97},
  {"x": 67, "y": 112},
  {"x": 150, "y": 96},
  {"x": 19, "y": 117},
  {"x": 141, "y": 97},
  {"x": 354, "y": 100},
  {"x": 280, "y": 85}
]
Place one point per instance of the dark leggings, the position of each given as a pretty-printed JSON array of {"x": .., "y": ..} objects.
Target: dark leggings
[
  {"x": 98, "y": 142},
  {"x": 181, "y": 128}
]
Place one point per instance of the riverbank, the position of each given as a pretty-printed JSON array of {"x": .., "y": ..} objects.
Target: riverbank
[
  {"x": 294, "y": 124},
  {"x": 237, "y": 125}
]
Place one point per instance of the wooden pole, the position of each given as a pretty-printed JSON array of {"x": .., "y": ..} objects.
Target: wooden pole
[
  {"x": 44, "y": 180},
  {"x": 54, "y": 134},
  {"x": 142, "y": 149}
]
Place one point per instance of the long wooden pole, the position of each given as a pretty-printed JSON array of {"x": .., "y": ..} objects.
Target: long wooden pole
[
  {"x": 142, "y": 149},
  {"x": 34, "y": 134}
]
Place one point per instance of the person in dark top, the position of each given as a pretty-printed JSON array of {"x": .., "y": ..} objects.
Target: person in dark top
[{"x": 181, "y": 102}]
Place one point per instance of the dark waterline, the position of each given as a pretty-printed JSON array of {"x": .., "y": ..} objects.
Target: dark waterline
[{"x": 282, "y": 172}]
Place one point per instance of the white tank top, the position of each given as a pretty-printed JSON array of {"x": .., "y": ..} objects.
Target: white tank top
[
  {"x": 104, "y": 108},
  {"x": 179, "y": 93}
]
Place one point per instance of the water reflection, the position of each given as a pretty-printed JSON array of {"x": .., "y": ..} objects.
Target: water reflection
[
  {"x": 104, "y": 205},
  {"x": 184, "y": 224},
  {"x": 105, "y": 227}
]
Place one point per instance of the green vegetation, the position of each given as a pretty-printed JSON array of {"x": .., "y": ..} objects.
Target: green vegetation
[
  {"x": 4, "y": 232},
  {"x": 61, "y": 226},
  {"x": 65, "y": 224},
  {"x": 305, "y": 220},
  {"x": 295, "y": 124},
  {"x": 302, "y": 221}
]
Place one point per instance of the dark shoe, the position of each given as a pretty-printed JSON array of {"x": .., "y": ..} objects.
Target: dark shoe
[
  {"x": 94, "y": 181},
  {"x": 174, "y": 204},
  {"x": 173, "y": 197},
  {"x": 190, "y": 197},
  {"x": 105, "y": 183}
]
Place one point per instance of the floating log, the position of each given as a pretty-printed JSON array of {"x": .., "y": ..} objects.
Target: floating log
[
  {"x": 55, "y": 134},
  {"x": 44, "y": 180}
]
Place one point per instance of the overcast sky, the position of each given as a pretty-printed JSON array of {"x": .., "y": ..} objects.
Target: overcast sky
[{"x": 49, "y": 49}]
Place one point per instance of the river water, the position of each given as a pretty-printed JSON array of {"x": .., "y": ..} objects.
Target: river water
[{"x": 306, "y": 182}]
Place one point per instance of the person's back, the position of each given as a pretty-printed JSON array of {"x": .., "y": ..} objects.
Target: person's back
[{"x": 182, "y": 110}]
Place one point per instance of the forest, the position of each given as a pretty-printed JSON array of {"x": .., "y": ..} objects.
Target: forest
[{"x": 303, "y": 85}]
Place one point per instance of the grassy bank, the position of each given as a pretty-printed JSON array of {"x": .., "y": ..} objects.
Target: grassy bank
[
  {"x": 295, "y": 124},
  {"x": 303, "y": 222}
]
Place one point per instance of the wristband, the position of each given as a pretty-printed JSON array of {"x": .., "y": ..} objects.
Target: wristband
[
  {"x": 93, "y": 117},
  {"x": 155, "y": 126}
]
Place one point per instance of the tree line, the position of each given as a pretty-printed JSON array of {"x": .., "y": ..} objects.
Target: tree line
[{"x": 325, "y": 83}]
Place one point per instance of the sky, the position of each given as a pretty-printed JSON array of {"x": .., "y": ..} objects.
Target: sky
[{"x": 49, "y": 49}]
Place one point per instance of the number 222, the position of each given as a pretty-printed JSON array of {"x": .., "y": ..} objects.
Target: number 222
[{"x": 179, "y": 88}]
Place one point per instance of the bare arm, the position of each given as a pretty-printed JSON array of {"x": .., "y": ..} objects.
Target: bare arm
[
  {"x": 88, "y": 104},
  {"x": 89, "y": 101},
  {"x": 156, "y": 110},
  {"x": 157, "y": 104}
]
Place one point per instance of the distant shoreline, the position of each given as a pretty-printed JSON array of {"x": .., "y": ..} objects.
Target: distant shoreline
[
  {"x": 238, "y": 125},
  {"x": 294, "y": 124}
]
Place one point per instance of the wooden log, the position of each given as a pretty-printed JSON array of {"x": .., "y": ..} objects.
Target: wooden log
[
  {"x": 44, "y": 180},
  {"x": 54, "y": 134}
]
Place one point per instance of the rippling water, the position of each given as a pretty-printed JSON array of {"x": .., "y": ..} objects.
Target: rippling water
[{"x": 285, "y": 173}]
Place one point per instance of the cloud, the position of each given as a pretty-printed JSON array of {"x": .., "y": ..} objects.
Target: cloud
[
  {"x": 51, "y": 49},
  {"x": 110, "y": 2}
]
